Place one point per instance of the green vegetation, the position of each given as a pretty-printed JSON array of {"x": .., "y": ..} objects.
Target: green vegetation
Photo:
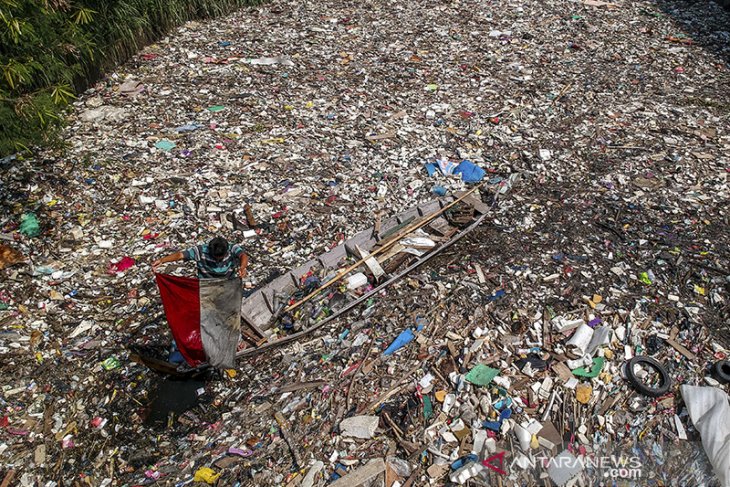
[{"x": 50, "y": 49}]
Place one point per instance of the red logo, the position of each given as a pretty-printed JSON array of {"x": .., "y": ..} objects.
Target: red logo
[{"x": 491, "y": 463}]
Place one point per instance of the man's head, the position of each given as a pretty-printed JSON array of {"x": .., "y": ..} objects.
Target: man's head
[{"x": 218, "y": 248}]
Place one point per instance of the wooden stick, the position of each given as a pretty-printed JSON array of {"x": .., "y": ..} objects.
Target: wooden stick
[
  {"x": 562, "y": 92},
  {"x": 352, "y": 382},
  {"x": 8, "y": 478},
  {"x": 384, "y": 246},
  {"x": 283, "y": 428}
]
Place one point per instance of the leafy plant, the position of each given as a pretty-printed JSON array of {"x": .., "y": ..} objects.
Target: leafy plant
[{"x": 51, "y": 49}]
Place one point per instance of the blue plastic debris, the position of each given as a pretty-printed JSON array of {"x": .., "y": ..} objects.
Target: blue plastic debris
[
  {"x": 470, "y": 458},
  {"x": 190, "y": 127},
  {"x": 338, "y": 466},
  {"x": 470, "y": 172},
  {"x": 503, "y": 403},
  {"x": 497, "y": 425},
  {"x": 165, "y": 145},
  {"x": 499, "y": 294},
  {"x": 439, "y": 190},
  {"x": 405, "y": 337}
]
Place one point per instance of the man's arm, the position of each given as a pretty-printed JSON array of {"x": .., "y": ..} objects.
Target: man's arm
[
  {"x": 242, "y": 272},
  {"x": 169, "y": 258}
]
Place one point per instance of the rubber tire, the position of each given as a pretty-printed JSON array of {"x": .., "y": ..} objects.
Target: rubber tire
[
  {"x": 721, "y": 371},
  {"x": 666, "y": 381}
]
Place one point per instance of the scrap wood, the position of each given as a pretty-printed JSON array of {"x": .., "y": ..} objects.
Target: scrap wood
[
  {"x": 7, "y": 481},
  {"x": 385, "y": 135},
  {"x": 680, "y": 40},
  {"x": 408, "y": 446},
  {"x": 394, "y": 250},
  {"x": 284, "y": 428},
  {"x": 681, "y": 349},
  {"x": 384, "y": 397},
  {"x": 352, "y": 381},
  {"x": 297, "y": 386},
  {"x": 378, "y": 222},
  {"x": 358, "y": 477},
  {"x": 371, "y": 262},
  {"x": 391, "y": 476},
  {"x": 245, "y": 321},
  {"x": 565, "y": 88},
  {"x": 599, "y": 3}
]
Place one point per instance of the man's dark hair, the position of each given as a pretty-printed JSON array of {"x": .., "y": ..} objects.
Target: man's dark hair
[{"x": 218, "y": 247}]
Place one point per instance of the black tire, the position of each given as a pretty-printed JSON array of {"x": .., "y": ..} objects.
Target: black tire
[
  {"x": 648, "y": 362},
  {"x": 721, "y": 371}
]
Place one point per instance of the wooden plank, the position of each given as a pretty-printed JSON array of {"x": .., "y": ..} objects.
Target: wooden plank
[
  {"x": 297, "y": 386},
  {"x": 681, "y": 349},
  {"x": 371, "y": 262},
  {"x": 358, "y": 477},
  {"x": 477, "y": 203},
  {"x": 395, "y": 249},
  {"x": 246, "y": 317},
  {"x": 8, "y": 478},
  {"x": 441, "y": 226}
]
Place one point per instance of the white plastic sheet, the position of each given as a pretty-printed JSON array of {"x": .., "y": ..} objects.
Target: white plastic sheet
[{"x": 710, "y": 413}]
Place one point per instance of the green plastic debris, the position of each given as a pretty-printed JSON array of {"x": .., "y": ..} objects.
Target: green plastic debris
[
  {"x": 592, "y": 371},
  {"x": 644, "y": 277},
  {"x": 111, "y": 363},
  {"x": 481, "y": 375},
  {"x": 216, "y": 108},
  {"x": 432, "y": 87},
  {"x": 427, "y": 408},
  {"x": 165, "y": 145},
  {"x": 4, "y": 306},
  {"x": 29, "y": 225}
]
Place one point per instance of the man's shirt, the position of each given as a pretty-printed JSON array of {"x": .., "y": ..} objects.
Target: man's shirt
[{"x": 209, "y": 267}]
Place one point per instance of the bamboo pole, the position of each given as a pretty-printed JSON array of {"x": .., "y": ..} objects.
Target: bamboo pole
[{"x": 415, "y": 226}]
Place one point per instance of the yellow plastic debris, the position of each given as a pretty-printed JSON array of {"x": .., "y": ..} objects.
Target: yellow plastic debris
[
  {"x": 231, "y": 373},
  {"x": 583, "y": 393},
  {"x": 440, "y": 395},
  {"x": 207, "y": 475}
]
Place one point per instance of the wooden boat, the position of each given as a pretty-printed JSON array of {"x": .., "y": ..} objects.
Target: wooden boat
[{"x": 383, "y": 247}]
